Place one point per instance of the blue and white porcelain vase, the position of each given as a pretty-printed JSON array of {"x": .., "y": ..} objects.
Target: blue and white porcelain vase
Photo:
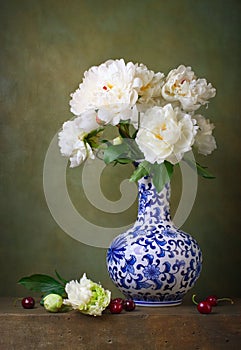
[{"x": 154, "y": 263}]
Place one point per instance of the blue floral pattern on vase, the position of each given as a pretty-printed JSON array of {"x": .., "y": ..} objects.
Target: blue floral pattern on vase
[{"x": 154, "y": 263}]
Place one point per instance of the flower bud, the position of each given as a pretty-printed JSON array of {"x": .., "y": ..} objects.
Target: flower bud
[
  {"x": 53, "y": 302},
  {"x": 117, "y": 141}
]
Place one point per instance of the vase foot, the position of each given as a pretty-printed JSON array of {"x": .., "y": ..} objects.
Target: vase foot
[{"x": 157, "y": 303}]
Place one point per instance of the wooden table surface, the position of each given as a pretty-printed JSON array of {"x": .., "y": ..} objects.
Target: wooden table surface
[{"x": 176, "y": 327}]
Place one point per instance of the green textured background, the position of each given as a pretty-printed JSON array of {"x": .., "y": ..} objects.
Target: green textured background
[{"x": 46, "y": 46}]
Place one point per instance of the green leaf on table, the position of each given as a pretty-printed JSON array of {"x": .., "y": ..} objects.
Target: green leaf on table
[
  {"x": 60, "y": 278},
  {"x": 43, "y": 283}
]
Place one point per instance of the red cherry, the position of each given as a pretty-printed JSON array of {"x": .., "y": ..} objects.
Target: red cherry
[
  {"x": 212, "y": 300},
  {"x": 129, "y": 305},
  {"x": 28, "y": 303},
  {"x": 204, "y": 307},
  {"x": 117, "y": 300},
  {"x": 115, "y": 307}
]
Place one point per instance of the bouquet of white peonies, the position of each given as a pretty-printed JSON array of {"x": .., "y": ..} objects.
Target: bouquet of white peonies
[{"x": 154, "y": 115}]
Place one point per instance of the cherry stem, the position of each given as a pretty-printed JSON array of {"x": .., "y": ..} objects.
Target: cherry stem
[
  {"x": 193, "y": 299},
  {"x": 225, "y": 299},
  {"x": 16, "y": 300}
]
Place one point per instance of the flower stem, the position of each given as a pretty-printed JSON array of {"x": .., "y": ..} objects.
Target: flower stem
[{"x": 139, "y": 121}]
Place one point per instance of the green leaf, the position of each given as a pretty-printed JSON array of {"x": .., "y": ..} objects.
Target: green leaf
[
  {"x": 143, "y": 169},
  {"x": 161, "y": 174},
  {"x": 43, "y": 283},
  {"x": 124, "y": 122},
  {"x": 93, "y": 137},
  {"x": 124, "y": 130},
  {"x": 134, "y": 151},
  {"x": 60, "y": 278},
  {"x": 94, "y": 132},
  {"x": 201, "y": 170},
  {"x": 114, "y": 152},
  {"x": 124, "y": 161},
  {"x": 134, "y": 134}
]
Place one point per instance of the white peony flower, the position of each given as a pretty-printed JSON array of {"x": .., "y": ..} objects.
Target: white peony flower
[
  {"x": 165, "y": 134},
  {"x": 204, "y": 140},
  {"x": 86, "y": 296},
  {"x": 79, "y": 293},
  {"x": 109, "y": 89},
  {"x": 150, "y": 84},
  {"x": 72, "y": 139},
  {"x": 181, "y": 86}
]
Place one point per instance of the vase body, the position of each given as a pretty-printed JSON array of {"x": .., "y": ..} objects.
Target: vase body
[{"x": 154, "y": 263}]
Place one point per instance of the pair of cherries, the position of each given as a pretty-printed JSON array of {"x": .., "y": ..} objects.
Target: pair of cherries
[
  {"x": 118, "y": 304},
  {"x": 205, "y": 306}
]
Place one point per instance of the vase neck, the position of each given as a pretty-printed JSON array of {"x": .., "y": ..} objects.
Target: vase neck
[{"x": 152, "y": 203}]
